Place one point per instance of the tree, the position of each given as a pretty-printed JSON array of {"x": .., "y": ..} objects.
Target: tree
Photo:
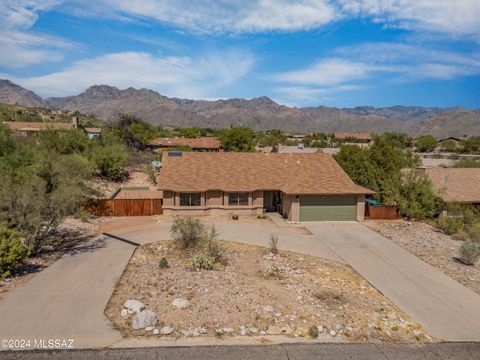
[
  {"x": 110, "y": 159},
  {"x": 449, "y": 146},
  {"x": 238, "y": 139},
  {"x": 426, "y": 143},
  {"x": 134, "y": 132},
  {"x": 397, "y": 139},
  {"x": 417, "y": 198},
  {"x": 471, "y": 145},
  {"x": 12, "y": 252}
]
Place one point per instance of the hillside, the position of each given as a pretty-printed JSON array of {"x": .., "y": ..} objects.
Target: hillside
[{"x": 106, "y": 102}]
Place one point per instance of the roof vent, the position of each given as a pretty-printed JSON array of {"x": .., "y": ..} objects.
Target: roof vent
[{"x": 174, "y": 153}]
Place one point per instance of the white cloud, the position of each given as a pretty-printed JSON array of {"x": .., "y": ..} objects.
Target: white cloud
[
  {"x": 21, "y": 47},
  {"x": 232, "y": 16},
  {"x": 461, "y": 17},
  {"x": 326, "y": 72},
  {"x": 173, "y": 76}
]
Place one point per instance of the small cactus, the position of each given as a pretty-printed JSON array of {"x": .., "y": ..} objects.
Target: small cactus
[{"x": 163, "y": 264}]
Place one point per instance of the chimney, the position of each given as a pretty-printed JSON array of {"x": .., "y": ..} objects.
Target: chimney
[{"x": 75, "y": 122}]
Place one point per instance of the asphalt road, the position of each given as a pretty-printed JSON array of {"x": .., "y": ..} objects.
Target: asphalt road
[{"x": 442, "y": 351}]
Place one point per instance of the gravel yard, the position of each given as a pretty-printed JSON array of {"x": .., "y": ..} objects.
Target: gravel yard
[
  {"x": 256, "y": 294},
  {"x": 430, "y": 245}
]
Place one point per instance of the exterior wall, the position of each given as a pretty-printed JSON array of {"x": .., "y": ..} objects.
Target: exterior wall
[
  {"x": 360, "y": 207},
  {"x": 168, "y": 198},
  {"x": 214, "y": 198},
  {"x": 258, "y": 198},
  {"x": 290, "y": 207}
]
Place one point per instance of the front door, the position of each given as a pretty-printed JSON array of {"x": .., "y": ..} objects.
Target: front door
[{"x": 269, "y": 201}]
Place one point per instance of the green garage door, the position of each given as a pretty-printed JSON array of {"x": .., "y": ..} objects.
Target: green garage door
[{"x": 328, "y": 208}]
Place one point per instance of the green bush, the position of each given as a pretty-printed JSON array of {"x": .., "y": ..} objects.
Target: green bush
[
  {"x": 202, "y": 262},
  {"x": 188, "y": 231},
  {"x": 468, "y": 252},
  {"x": 12, "y": 252},
  {"x": 163, "y": 264},
  {"x": 313, "y": 332},
  {"x": 450, "y": 225},
  {"x": 214, "y": 249},
  {"x": 417, "y": 198},
  {"x": 426, "y": 143},
  {"x": 473, "y": 232},
  {"x": 109, "y": 160}
]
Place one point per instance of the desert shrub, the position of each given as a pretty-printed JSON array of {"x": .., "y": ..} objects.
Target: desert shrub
[
  {"x": 273, "y": 244},
  {"x": 417, "y": 198},
  {"x": 426, "y": 143},
  {"x": 202, "y": 262},
  {"x": 473, "y": 232},
  {"x": 163, "y": 264},
  {"x": 83, "y": 215},
  {"x": 262, "y": 217},
  {"x": 467, "y": 163},
  {"x": 188, "y": 231},
  {"x": 12, "y": 252},
  {"x": 468, "y": 252},
  {"x": 313, "y": 332},
  {"x": 214, "y": 249},
  {"x": 109, "y": 159},
  {"x": 450, "y": 225}
]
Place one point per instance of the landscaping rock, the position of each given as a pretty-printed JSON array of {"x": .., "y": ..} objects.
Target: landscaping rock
[
  {"x": 124, "y": 313},
  {"x": 274, "y": 330},
  {"x": 149, "y": 328},
  {"x": 253, "y": 330},
  {"x": 228, "y": 330},
  {"x": 166, "y": 330},
  {"x": 180, "y": 303},
  {"x": 143, "y": 319},
  {"x": 133, "y": 306},
  {"x": 320, "y": 329},
  {"x": 202, "y": 330},
  {"x": 333, "y": 333},
  {"x": 156, "y": 331},
  {"x": 268, "y": 308}
]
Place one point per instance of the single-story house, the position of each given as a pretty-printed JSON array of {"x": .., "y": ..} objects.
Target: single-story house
[
  {"x": 205, "y": 143},
  {"x": 360, "y": 139},
  {"x": 301, "y": 187},
  {"x": 93, "y": 133},
  {"x": 29, "y": 128},
  {"x": 454, "y": 185},
  {"x": 296, "y": 137}
]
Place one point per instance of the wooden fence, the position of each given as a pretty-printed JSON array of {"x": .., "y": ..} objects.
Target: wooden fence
[
  {"x": 125, "y": 207},
  {"x": 381, "y": 212}
]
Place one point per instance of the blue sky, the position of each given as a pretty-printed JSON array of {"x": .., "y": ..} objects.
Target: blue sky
[{"x": 341, "y": 53}]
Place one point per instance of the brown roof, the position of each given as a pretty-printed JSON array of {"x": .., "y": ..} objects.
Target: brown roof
[
  {"x": 358, "y": 136},
  {"x": 291, "y": 173},
  {"x": 207, "y": 142},
  {"x": 138, "y": 194},
  {"x": 37, "y": 126},
  {"x": 456, "y": 184},
  {"x": 93, "y": 130}
]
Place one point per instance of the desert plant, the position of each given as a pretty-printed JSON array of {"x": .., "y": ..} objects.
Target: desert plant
[
  {"x": 473, "y": 232},
  {"x": 450, "y": 225},
  {"x": 12, "y": 252},
  {"x": 214, "y": 249},
  {"x": 163, "y": 264},
  {"x": 262, "y": 216},
  {"x": 468, "y": 253},
  {"x": 188, "y": 231},
  {"x": 273, "y": 244},
  {"x": 313, "y": 332},
  {"x": 202, "y": 262},
  {"x": 83, "y": 215}
]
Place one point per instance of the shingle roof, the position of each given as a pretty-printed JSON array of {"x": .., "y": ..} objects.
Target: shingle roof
[
  {"x": 456, "y": 184},
  {"x": 207, "y": 142},
  {"x": 93, "y": 130},
  {"x": 358, "y": 136},
  {"x": 36, "y": 126},
  {"x": 291, "y": 173}
]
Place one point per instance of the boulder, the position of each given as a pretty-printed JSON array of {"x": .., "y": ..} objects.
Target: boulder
[
  {"x": 166, "y": 330},
  {"x": 180, "y": 303},
  {"x": 124, "y": 313},
  {"x": 144, "y": 319},
  {"x": 156, "y": 331},
  {"x": 133, "y": 306}
]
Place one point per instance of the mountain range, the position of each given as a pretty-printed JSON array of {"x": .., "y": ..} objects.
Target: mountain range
[{"x": 107, "y": 102}]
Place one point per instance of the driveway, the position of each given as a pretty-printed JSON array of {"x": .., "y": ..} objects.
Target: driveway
[
  {"x": 67, "y": 300},
  {"x": 448, "y": 310}
]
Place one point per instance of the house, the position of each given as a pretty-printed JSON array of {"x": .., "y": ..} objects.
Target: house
[
  {"x": 30, "y": 128},
  {"x": 206, "y": 143},
  {"x": 454, "y": 139},
  {"x": 454, "y": 185},
  {"x": 360, "y": 139},
  {"x": 296, "y": 137},
  {"x": 302, "y": 187}
]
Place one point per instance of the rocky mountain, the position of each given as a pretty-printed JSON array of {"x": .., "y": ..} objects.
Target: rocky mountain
[
  {"x": 106, "y": 102},
  {"x": 14, "y": 94}
]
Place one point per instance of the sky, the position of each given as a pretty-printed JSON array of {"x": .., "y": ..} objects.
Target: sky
[{"x": 342, "y": 53}]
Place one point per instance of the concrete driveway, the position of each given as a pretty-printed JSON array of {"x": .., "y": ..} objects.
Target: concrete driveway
[
  {"x": 448, "y": 310},
  {"x": 67, "y": 300}
]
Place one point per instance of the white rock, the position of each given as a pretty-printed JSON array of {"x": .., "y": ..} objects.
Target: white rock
[
  {"x": 228, "y": 330},
  {"x": 268, "y": 308},
  {"x": 320, "y": 329},
  {"x": 253, "y": 330},
  {"x": 124, "y": 313},
  {"x": 202, "y": 330},
  {"x": 156, "y": 331},
  {"x": 166, "y": 330},
  {"x": 143, "y": 319},
  {"x": 333, "y": 333},
  {"x": 263, "y": 332},
  {"x": 149, "y": 328},
  {"x": 180, "y": 303},
  {"x": 243, "y": 332},
  {"x": 133, "y": 306}
]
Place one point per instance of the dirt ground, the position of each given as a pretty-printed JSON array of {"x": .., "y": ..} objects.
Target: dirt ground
[
  {"x": 70, "y": 233},
  {"x": 432, "y": 246},
  {"x": 288, "y": 292},
  {"x": 134, "y": 178}
]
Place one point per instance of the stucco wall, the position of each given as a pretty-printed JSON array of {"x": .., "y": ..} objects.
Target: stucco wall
[
  {"x": 291, "y": 207},
  {"x": 214, "y": 198},
  {"x": 360, "y": 207}
]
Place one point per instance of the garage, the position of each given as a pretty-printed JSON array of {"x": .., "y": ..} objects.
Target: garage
[{"x": 328, "y": 208}]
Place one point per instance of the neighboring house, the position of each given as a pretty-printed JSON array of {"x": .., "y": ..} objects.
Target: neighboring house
[
  {"x": 302, "y": 187},
  {"x": 360, "y": 139},
  {"x": 206, "y": 143},
  {"x": 30, "y": 128},
  {"x": 455, "y": 139},
  {"x": 296, "y": 137},
  {"x": 455, "y": 185}
]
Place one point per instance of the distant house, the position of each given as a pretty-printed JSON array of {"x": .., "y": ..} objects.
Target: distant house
[
  {"x": 301, "y": 187},
  {"x": 455, "y": 185},
  {"x": 352, "y": 138},
  {"x": 205, "y": 144},
  {"x": 296, "y": 137},
  {"x": 455, "y": 139},
  {"x": 30, "y": 128}
]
